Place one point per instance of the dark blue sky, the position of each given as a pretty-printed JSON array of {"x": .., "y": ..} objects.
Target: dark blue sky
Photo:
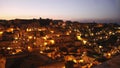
[{"x": 80, "y": 10}]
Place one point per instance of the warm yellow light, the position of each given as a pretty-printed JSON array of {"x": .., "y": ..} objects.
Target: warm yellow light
[
  {"x": 92, "y": 34},
  {"x": 16, "y": 38},
  {"x": 41, "y": 52},
  {"x": 81, "y": 61},
  {"x": 70, "y": 31},
  {"x": 69, "y": 58},
  {"x": 52, "y": 41},
  {"x": 18, "y": 50},
  {"x": 28, "y": 29},
  {"x": 100, "y": 37},
  {"x": 75, "y": 61},
  {"x": 1, "y": 32},
  {"x": 45, "y": 43},
  {"x": 67, "y": 33},
  {"x": 118, "y": 31},
  {"x": 30, "y": 37},
  {"x": 110, "y": 32},
  {"x": 84, "y": 41},
  {"x": 58, "y": 35},
  {"x": 13, "y": 53},
  {"x": 52, "y": 31},
  {"x": 63, "y": 67},
  {"x": 10, "y": 30},
  {"x": 90, "y": 65},
  {"x": 34, "y": 37},
  {"x": 100, "y": 47},
  {"x": 8, "y": 48},
  {"x": 29, "y": 47},
  {"x": 79, "y": 38},
  {"x": 39, "y": 29},
  {"x": 44, "y": 38},
  {"x": 109, "y": 54},
  {"x": 106, "y": 36}
]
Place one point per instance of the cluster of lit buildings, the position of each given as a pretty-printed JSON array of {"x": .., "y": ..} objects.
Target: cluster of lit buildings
[{"x": 85, "y": 44}]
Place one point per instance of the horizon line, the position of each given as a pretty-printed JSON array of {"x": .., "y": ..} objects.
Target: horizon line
[{"x": 78, "y": 20}]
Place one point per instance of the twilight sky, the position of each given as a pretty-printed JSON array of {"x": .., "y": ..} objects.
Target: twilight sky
[{"x": 79, "y": 10}]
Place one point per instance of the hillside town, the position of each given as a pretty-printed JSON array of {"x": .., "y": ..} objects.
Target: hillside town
[{"x": 75, "y": 44}]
